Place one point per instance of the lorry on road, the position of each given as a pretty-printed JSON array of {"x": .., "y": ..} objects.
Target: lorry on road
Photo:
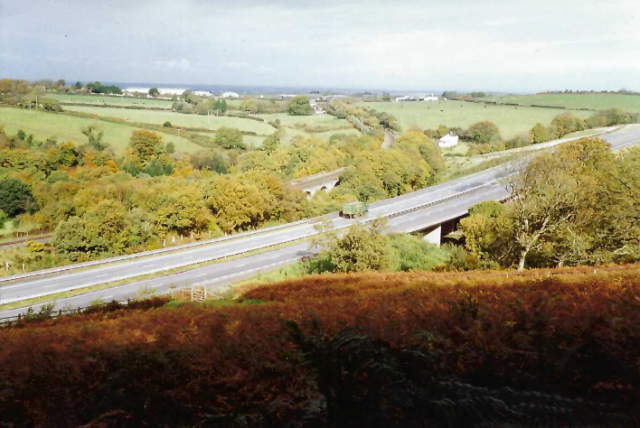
[{"x": 354, "y": 209}]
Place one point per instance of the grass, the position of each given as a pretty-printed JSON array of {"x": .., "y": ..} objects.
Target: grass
[
  {"x": 68, "y": 128},
  {"x": 462, "y": 166},
  {"x": 156, "y": 117},
  {"x": 111, "y": 100},
  {"x": 8, "y": 229},
  {"x": 428, "y": 115},
  {"x": 459, "y": 150},
  {"x": 630, "y": 103},
  {"x": 319, "y": 126},
  {"x": 316, "y": 120}
]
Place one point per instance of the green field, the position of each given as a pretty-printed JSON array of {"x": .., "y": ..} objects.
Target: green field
[
  {"x": 157, "y": 117},
  {"x": 111, "y": 100},
  {"x": 316, "y": 120},
  {"x": 68, "y": 128},
  {"x": 629, "y": 103},
  {"x": 319, "y": 125},
  {"x": 428, "y": 115}
]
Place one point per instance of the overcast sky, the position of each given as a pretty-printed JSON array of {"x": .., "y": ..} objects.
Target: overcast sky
[{"x": 500, "y": 45}]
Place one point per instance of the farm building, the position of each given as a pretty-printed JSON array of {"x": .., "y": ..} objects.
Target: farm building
[
  {"x": 230, "y": 95},
  {"x": 448, "y": 140}
]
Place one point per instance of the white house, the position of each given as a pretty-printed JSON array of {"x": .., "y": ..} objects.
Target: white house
[
  {"x": 448, "y": 140},
  {"x": 230, "y": 95},
  {"x": 430, "y": 98}
]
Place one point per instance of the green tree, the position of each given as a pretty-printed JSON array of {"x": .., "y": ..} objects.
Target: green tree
[
  {"x": 94, "y": 137},
  {"x": 3, "y": 218},
  {"x": 299, "y": 106},
  {"x": 576, "y": 205},
  {"x": 488, "y": 233},
  {"x": 271, "y": 144},
  {"x": 566, "y": 123},
  {"x": 229, "y": 138},
  {"x": 154, "y": 92},
  {"x": 412, "y": 253},
  {"x": 362, "y": 248},
  {"x": 538, "y": 134},
  {"x": 15, "y": 197},
  {"x": 482, "y": 132}
]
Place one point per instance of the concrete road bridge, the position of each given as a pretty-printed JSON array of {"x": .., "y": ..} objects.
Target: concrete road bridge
[{"x": 433, "y": 211}]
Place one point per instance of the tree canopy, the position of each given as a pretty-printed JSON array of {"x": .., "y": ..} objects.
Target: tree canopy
[
  {"x": 579, "y": 204},
  {"x": 299, "y": 106}
]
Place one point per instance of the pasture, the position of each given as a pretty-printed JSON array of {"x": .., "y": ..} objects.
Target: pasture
[
  {"x": 629, "y": 103},
  {"x": 157, "y": 117},
  {"x": 510, "y": 120},
  {"x": 68, "y": 128},
  {"x": 111, "y": 100},
  {"x": 319, "y": 126}
]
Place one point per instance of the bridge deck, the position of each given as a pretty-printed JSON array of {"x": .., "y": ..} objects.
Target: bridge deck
[{"x": 316, "y": 179}]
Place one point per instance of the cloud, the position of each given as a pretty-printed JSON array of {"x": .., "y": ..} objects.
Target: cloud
[
  {"x": 460, "y": 44},
  {"x": 10, "y": 56},
  {"x": 179, "y": 64},
  {"x": 237, "y": 65}
]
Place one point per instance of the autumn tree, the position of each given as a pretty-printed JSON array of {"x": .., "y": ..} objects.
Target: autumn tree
[
  {"x": 427, "y": 150},
  {"x": 236, "y": 205},
  {"x": 146, "y": 145}
]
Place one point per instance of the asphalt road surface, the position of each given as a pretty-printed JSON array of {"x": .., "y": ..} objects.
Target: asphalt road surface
[{"x": 407, "y": 213}]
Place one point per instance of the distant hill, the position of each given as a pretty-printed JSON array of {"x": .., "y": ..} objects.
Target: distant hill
[{"x": 501, "y": 349}]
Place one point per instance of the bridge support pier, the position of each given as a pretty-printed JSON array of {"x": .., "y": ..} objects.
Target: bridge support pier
[{"x": 434, "y": 235}]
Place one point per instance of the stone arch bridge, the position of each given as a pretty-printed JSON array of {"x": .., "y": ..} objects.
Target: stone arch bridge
[{"x": 324, "y": 181}]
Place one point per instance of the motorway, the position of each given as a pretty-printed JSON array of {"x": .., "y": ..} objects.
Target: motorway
[{"x": 407, "y": 213}]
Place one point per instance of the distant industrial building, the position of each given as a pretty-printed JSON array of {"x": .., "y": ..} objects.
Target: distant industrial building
[
  {"x": 448, "y": 140},
  {"x": 230, "y": 95}
]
